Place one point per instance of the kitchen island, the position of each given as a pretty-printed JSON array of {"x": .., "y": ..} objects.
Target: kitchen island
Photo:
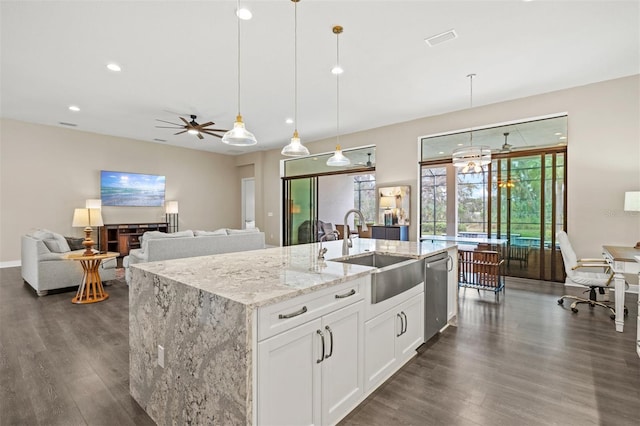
[{"x": 197, "y": 326}]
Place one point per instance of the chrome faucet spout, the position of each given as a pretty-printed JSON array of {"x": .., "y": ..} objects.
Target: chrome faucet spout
[
  {"x": 323, "y": 250},
  {"x": 346, "y": 238}
]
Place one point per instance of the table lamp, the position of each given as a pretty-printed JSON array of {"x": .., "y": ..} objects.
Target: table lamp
[
  {"x": 87, "y": 218},
  {"x": 171, "y": 214},
  {"x": 387, "y": 202},
  {"x": 632, "y": 204}
]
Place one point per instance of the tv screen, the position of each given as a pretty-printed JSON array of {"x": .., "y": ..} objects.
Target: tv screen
[{"x": 131, "y": 189}]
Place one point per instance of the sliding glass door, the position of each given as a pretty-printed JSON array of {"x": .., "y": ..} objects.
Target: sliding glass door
[{"x": 300, "y": 210}]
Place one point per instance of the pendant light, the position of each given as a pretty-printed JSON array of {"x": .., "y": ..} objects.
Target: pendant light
[
  {"x": 295, "y": 147},
  {"x": 471, "y": 157},
  {"x": 338, "y": 159},
  {"x": 239, "y": 135}
]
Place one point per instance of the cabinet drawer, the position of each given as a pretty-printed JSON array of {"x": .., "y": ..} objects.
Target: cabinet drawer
[{"x": 282, "y": 316}]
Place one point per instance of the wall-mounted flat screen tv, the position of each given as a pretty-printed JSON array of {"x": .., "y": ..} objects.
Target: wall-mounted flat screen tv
[{"x": 131, "y": 189}]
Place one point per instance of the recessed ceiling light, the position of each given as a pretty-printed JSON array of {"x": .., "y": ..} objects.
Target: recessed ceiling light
[
  {"x": 289, "y": 121},
  {"x": 441, "y": 38},
  {"x": 441, "y": 152},
  {"x": 337, "y": 70},
  {"x": 557, "y": 133},
  {"x": 74, "y": 108},
  {"x": 460, "y": 144},
  {"x": 244, "y": 14},
  {"x": 562, "y": 138},
  {"x": 114, "y": 67}
]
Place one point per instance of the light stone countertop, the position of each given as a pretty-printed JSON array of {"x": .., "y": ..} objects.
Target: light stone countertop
[{"x": 263, "y": 277}]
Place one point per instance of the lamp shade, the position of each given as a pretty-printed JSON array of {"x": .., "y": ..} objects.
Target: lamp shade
[
  {"x": 338, "y": 159},
  {"x": 171, "y": 207},
  {"x": 295, "y": 148},
  {"x": 387, "y": 202},
  {"x": 239, "y": 136},
  {"x": 632, "y": 201},
  {"x": 93, "y": 203},
  {"x": 87, "y": 217}
]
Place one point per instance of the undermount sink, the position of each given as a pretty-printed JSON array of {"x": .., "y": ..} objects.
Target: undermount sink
[{"x": 393, "y": 274}]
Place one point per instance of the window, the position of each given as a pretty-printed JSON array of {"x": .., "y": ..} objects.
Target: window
[
  {"x": 434, "y": 201},
  {"x": 364, "y": 196}
]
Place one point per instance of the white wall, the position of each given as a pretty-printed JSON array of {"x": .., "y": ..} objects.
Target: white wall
[
  {"x": 46, "y": 172},
  {"x": 603, "y": 157}
]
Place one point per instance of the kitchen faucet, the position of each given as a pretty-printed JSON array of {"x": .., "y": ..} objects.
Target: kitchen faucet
[
  {"x": 346, "y": 243},
  {"x": 322, "y": 251}
]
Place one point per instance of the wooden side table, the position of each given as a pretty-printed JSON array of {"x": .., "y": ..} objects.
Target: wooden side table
[{"x": 91, "y": 290}]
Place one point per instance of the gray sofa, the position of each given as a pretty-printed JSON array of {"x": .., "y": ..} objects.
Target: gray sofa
[
  {"x": 155, "y": 246},
  {"x": 45, "y": 268}
]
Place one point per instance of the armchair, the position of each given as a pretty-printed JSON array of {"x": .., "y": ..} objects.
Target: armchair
[{"x": 581, "y": 276}]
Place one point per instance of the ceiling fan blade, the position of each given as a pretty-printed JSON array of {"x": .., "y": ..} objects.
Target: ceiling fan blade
[
  {"x": 167, "y": 127},
  {"x": 168, "y": 122},
  {"x": 179, "y": 133},
  {"x": 200, "y": 136},
  {"x": 185, "y": 121},
  {"x": 215, "y": 130},
  {"x": 210, "y": 123}
]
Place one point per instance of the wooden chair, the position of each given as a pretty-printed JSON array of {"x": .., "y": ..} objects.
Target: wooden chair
[{"x": 481, "y": 269}]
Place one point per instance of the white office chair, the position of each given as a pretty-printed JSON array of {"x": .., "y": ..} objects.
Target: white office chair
[{"x": 588, "y": 279}]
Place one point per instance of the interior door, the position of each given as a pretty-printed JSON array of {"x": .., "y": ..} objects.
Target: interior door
[{"x": 300, "y": 210}]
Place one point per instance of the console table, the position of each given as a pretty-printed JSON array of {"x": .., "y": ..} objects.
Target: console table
[
  {"x": 122, "y": 237},
  {"x": 622, "y": 261},
  {"x": 394, "y": 232}
]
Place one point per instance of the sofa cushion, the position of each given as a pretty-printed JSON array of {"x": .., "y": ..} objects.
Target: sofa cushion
[
  {"x": 241, "y": 231},
  {"x": 42, "y": 234},
  {"x": 210, "y": 233},
  {"x": 152, "y": 235}
]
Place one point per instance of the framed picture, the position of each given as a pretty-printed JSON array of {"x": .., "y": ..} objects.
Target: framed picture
[
  {"x": 131, "y": 189},
  {"x": 394, "y": 205}
]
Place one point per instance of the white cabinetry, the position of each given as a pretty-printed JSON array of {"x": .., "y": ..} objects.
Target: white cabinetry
[
  {"x": 391, "y": 338},
  {"x": 313, "y": 373}
]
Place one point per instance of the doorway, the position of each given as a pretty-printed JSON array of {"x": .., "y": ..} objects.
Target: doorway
[{"x": 248, "y": 194}]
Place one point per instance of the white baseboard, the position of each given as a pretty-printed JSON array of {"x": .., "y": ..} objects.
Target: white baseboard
[{"x": 10, "y": 264}]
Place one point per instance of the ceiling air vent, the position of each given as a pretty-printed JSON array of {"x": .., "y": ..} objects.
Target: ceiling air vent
[
  {"x": 67, "y": 124},
  {"x": 159, "y": 140},
  {"x": 441, "y": 38}
]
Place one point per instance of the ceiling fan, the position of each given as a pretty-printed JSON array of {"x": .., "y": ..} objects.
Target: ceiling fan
[
  {"x": 506, "y": 147},
  {"x": 192, "y": 127}
]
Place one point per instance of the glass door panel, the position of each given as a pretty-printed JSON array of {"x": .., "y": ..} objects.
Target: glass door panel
[{"x": 300, "y": 210}]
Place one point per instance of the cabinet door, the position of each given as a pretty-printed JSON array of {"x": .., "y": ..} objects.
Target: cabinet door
[
  {"x": 289, "y": 388},
  {"x": 380, "y": 336},
  {"x": 412, "y": 336},
  {"x": 452, "y": 284},
  {"x": 343, "y": 367}
]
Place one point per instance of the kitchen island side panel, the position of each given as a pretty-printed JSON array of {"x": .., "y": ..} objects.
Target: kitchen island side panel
[{"x": 207, "y": 376}]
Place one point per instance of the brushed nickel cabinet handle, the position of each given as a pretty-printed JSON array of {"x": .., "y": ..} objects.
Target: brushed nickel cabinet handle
[
  {"x": 401, "y": 325},
  {"x": 293, "y": 314},
  {"x": 318, "y": 361},
  {"x": 342, "y": 296},
  {"x": 330, "y": 342},
  {"x": 406, "y": 322}
]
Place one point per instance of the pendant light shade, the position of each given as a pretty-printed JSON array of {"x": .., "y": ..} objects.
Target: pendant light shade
[
  {"x": 338, "y": 159},
  {"x": 239, "y": 135},
  {"x": 295, "y": 147},
  {"x": 471, "y": 158}
]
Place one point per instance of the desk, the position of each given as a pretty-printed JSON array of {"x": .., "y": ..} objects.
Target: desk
[
  {"x": 622, "y": 261},
  {"x": 91, "y": 290}
]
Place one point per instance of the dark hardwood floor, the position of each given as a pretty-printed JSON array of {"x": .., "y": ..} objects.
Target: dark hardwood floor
[{"x": 521, "y": 361}]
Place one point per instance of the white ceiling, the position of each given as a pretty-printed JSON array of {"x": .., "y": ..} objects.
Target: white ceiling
[{"x": 179, "y": 57}]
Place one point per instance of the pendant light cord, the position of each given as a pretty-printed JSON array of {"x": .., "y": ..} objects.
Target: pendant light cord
[
  {"x": 295, "y": 65},
  {"x": 471, "y": 106},
  {"x": 338, "y": 90},
  {"x": 238, "y": 17}
]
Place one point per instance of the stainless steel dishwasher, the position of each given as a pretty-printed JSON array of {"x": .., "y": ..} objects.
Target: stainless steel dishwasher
[{"x": 435, "y": 294}]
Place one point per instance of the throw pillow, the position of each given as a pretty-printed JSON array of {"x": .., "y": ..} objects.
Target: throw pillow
[
  {"x": 54, "y": 245},
  {"x": 75, "y": 243}
]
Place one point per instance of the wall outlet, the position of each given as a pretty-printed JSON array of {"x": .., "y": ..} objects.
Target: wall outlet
[{"x": 161, "y": 356}]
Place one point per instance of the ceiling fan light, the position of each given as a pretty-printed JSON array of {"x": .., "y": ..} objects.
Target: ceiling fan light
[
  {"x": 239, "y": 136},
  {"x": 295, "y": 147},
  {"x": 193, "y": 131}
]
